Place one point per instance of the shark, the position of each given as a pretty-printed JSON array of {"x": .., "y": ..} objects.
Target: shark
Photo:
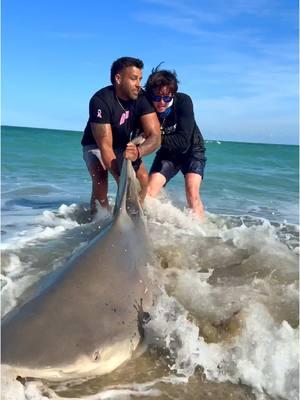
[{"x": 87, "y": 318}]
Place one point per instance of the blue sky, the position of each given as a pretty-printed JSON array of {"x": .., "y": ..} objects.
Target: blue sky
[{"x": 237, "y": 59}]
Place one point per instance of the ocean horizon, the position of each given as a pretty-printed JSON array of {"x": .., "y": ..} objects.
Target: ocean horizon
[{"x": 206, "y": 140}]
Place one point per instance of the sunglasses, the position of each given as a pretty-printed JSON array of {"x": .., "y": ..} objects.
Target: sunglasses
[{"x": 166, "y": 99}]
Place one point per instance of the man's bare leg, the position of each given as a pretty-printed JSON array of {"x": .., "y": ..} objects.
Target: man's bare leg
[
  {"x": 143, "y": 178},
  {"x": 156, "y": 182},
  {"x": 192, "y": 189},
  {"x": 99, "y": 186}
]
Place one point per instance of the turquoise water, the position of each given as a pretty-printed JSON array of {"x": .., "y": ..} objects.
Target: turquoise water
[
  {"x": 240, "y": 178},
  {"x": 226, "y": 322}
]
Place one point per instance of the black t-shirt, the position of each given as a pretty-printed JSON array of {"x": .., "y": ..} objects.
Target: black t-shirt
[
  {"x": 180, "y": 133},
  {"x": 104, "y": 108}
]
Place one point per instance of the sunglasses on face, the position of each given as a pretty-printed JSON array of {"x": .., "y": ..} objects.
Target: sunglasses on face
[{"x": 166, "y": 99}]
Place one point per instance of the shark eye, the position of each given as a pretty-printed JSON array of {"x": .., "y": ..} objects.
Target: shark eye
[{"x": 96, "y": 355}]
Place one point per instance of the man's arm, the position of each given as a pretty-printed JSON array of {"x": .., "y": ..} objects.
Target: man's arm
[
  {"x": 151, "y": 129},
  {"x": 103, "y": 136}
]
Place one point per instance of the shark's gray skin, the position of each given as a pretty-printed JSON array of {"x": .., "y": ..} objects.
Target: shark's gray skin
[{"x": 87, "y": 320}]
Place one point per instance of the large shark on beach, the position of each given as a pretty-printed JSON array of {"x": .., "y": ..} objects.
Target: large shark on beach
[{"x": 87, "y": 318}]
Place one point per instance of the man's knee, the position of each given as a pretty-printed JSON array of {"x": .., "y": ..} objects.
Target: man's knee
[
  {"x": 98, "y": 174},
  {"x": 143, "y": 177}
]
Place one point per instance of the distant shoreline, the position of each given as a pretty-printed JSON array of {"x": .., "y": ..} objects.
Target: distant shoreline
[{"x": 220, "y": 141}]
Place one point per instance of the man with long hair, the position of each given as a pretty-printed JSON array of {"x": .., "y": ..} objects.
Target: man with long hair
[{"x": 182, "y": 145}]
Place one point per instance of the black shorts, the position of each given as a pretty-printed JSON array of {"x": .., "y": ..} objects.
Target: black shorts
[{"x": 169, "y": 166}]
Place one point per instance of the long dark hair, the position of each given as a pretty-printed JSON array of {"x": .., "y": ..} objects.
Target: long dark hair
[{"x": 159, "y": 78}]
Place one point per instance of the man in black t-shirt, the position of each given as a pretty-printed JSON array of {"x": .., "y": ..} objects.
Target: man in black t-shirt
[
  {"x": 117, "y": 113},
  {"x": 182, "y": 145}
]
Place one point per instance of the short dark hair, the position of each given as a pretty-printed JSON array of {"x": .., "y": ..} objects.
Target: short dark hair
[
  {"x": 159, "y": 78},
  {"x": 122, "y": 63}
]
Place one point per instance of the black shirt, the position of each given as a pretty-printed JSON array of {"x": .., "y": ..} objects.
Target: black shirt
[
  {"x": 180, "y": 133},
  {"x": 124, "y": 119}
]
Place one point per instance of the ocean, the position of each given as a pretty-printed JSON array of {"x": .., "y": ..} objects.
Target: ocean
[{"x": 226, "y": 323}]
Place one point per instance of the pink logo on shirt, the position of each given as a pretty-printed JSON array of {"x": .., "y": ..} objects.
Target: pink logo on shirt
[
  {"x": 99, "y": 113},
  {"x": 124, "y": 116}
]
